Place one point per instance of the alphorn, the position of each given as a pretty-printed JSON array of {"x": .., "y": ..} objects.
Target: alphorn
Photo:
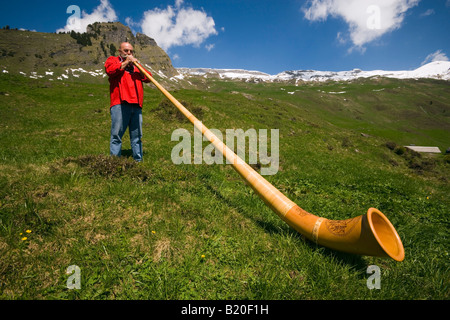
[{"x": 371, "y": 234}]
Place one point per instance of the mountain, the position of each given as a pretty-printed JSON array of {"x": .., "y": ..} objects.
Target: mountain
[
  {"x": 65, "y": 55},
  {"x": 435, "y": 70},
  {"x": 37, "y": 53}
]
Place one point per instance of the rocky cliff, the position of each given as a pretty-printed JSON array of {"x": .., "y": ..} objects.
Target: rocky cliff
[{"x": 28, "y": 52}]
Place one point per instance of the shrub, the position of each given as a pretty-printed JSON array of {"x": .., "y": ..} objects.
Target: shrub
[{"x": 391, "y": 145}]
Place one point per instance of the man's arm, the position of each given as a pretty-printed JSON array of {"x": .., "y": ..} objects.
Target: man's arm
[
  {"x": 143, "y": 77},
  {"x": 113, "y": 67}
]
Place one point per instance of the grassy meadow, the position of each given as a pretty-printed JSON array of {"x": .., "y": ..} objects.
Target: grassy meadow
[{"x": 161, "y": 231}]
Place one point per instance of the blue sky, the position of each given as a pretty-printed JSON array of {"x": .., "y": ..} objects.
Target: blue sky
[{"x": 266, "y": 35}]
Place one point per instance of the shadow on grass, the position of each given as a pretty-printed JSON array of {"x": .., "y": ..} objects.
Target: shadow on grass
[
  {"x": 348, "y": 259},
  {"x": 127, "y": 153}
]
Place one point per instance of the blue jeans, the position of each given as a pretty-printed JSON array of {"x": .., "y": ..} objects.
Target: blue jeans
[{"x": 125, "y": 116}]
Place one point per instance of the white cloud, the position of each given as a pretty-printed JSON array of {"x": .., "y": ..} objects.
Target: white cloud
[
  {"x": 435, "y": 56},
  {"x": 78, "y": 21},
  {"x": 177, "y": 26},
  {"x": 209, "y": 47},
  {"x": 341, "y": 38},
  {"x": 427, "y": 13},
  {"x": 131, "y": 24},
  {"x": 368, "y": 20}
]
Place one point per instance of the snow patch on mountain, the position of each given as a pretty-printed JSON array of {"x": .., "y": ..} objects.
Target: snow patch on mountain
[{"x": 435, "y": 70}]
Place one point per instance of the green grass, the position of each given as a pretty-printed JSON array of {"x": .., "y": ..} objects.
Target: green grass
[{"x": 156, "y": 230}]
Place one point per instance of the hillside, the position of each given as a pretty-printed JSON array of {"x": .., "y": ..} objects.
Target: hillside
[
  {"x": 35, "y": 53},
  {"x": 160, "y": 231}
]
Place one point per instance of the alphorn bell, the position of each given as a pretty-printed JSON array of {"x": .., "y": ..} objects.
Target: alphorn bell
[{"x": 371, "y": 234}]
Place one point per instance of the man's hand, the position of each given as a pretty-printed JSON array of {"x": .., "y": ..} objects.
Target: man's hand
[
  {"x": 128, "y": 60},
  {"x": 131, "y": 59}
]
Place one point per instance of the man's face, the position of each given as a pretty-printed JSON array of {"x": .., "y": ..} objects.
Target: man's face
[{"x": 126, "y": 50}]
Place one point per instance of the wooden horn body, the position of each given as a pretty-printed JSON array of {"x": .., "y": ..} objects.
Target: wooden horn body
[{"x": 371, "y": 234}]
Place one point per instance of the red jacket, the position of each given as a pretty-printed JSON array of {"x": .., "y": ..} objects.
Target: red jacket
[{"x": 124, "y": 85}]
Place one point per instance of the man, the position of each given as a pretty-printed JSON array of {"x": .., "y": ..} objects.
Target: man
[{"x": 127, "y": 95}]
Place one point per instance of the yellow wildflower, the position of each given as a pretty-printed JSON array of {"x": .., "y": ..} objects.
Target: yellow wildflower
[{"x": 24, "y": 238}]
